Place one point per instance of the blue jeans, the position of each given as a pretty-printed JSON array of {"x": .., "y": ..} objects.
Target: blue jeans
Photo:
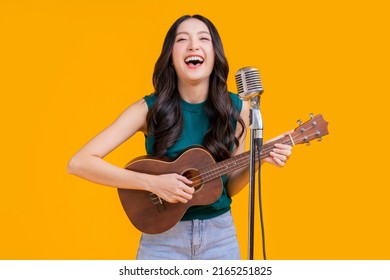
[{"x": 211, "y": 239}]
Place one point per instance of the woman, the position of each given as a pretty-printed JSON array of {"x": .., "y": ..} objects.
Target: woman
[{"x": 191, "y": 105}]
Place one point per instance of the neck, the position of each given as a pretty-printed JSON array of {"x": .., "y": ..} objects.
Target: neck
[{"x": 194, "y": 93}]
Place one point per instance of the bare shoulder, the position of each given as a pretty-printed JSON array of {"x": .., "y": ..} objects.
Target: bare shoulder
[
  {"x": 134, "y": 116},
  {"x": 139, "y": 106},
  {"x": 245, "y": 117},
  {"x": 245, "y": 111}
]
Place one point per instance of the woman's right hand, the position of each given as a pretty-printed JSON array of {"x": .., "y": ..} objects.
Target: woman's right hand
[{"x": 172, "y": 188}]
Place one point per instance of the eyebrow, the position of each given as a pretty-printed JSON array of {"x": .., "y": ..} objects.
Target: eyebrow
[{"x": 187, "y": 33}]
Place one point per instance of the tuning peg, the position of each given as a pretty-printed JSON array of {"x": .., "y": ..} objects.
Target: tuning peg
[
  {"x": 299, "y": 122},
  {"x": 318, "y": 133},
  {"x": 319, "y": 139},
  {"x": 306, "y": 139},
  {"x": 311, "y": 115}
]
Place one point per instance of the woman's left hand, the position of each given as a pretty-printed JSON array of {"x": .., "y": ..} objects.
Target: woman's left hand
[{"x": 280, "y": 153}]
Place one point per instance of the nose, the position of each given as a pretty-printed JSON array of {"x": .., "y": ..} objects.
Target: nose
[{"x": 193, "y": 45}]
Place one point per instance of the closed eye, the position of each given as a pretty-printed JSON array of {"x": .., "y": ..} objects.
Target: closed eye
[{"x": 205, "y": 39}]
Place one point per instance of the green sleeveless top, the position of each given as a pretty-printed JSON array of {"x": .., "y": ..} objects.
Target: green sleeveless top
[{"x": 195, "y": 126}]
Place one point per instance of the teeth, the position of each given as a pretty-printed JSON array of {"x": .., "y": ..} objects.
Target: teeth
[{"x": 193, "y": 58}]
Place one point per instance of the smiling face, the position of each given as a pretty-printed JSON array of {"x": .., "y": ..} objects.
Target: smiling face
[{"x": 193, "y": 53}]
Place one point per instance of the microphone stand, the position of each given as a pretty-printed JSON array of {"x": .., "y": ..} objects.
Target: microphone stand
[{"x": 256, "y": 133}]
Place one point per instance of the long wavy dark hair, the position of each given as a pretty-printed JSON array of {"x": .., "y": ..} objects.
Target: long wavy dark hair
[{"x": 165, "y": 120}]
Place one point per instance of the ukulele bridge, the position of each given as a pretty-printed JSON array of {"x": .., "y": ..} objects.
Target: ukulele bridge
[
  {"x": 156, "y": 199},
  {"x": 158, "y": 202}
]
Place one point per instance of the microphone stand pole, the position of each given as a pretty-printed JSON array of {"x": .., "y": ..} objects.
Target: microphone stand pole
[{"x": 256, "y": 133}]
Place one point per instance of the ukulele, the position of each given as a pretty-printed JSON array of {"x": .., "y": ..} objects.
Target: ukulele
[{"x": 151, "y": 214}]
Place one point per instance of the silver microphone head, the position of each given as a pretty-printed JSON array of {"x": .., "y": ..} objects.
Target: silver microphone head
[{"x": 248, "y": 83}]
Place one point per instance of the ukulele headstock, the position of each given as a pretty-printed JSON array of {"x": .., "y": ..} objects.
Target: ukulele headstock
[{"x": 315, "y": 128}]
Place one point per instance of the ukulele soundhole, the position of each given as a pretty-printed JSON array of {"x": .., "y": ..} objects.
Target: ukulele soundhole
[{"x": 195, "y": 177}]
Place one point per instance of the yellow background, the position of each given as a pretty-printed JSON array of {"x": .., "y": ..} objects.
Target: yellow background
[{"x": 68, "y": 68}]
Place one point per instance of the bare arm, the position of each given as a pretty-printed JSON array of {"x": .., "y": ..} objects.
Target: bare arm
[
  {"x": 237, "y": 180},
  {"x": 88, "y": 162}
]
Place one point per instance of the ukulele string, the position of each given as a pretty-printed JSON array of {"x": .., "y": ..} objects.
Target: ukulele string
[
  {"x": 205, "y": 177},
  {"x": 198, "y": 180},
  {"x": 220, "y": 170}
]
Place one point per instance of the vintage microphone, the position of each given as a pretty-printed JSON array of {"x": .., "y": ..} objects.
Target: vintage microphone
[{"x": 250, "y": 88}]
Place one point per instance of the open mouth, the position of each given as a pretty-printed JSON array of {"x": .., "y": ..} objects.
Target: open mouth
[{"x": 193, "y": 61}]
